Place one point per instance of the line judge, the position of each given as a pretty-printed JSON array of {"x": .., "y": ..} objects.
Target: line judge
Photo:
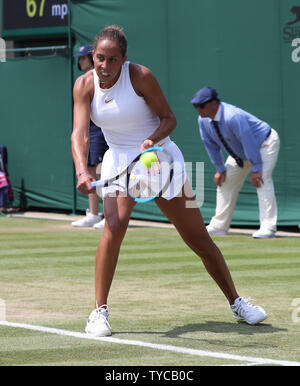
[{"x": 252, "y": 146}]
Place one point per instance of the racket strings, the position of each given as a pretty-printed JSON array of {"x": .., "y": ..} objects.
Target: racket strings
[
  {"x": 146, "y": 183},
  {"x": 141, "y": 183}
]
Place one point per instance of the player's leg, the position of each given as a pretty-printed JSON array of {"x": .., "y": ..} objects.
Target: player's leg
[
  {"x": 227, "y": 195},
  {"x": 117, "y": 210},
  {"x": 188, "y": 221}
]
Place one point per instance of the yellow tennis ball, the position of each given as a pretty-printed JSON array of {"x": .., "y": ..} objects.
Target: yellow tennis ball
[{"x": 148, "y": 159}]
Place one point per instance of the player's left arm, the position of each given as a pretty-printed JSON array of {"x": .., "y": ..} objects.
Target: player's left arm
[{"x": 146, "y": 85}]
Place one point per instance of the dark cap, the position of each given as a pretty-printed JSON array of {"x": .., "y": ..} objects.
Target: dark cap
[
  {"x": 204, "y": 95},
  {"x": 84, "y": 50}
]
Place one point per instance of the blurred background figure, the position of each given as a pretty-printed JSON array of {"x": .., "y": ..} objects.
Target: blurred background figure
[{"x": 6, "y": 193}]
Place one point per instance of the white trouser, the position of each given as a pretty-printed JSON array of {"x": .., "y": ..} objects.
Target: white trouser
[{"x": 227, "y": 194}]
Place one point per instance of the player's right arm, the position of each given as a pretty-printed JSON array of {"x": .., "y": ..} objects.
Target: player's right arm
[{"x": 82, "y": 94}]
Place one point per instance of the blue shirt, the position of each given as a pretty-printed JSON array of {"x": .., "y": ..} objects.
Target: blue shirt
[{"x": 243, "y": 132}]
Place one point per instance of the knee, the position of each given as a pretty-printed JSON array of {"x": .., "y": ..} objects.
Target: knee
[
  {"x": 117, "y": 226},
  {"x": 201, "y": 244}
]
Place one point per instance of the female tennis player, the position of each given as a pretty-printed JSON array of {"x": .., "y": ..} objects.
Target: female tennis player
[{"x": 126, "y": 101}]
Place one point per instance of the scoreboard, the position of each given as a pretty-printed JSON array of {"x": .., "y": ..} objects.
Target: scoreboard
[{"x": 34, "y": 18}]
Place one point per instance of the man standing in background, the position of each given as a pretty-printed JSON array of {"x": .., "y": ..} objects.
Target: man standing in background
[{"x": 252, "y": 146}]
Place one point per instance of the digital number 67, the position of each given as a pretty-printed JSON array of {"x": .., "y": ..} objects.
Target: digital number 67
[{"x": 31, "y": 8}]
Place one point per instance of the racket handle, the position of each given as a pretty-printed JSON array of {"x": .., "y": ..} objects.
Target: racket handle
[{"x": 100, "y": 183}]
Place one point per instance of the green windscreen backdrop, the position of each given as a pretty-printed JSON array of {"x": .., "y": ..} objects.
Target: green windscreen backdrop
[
  {"x": 249, "y": 51},
  {"x": 36, "y": 128}
]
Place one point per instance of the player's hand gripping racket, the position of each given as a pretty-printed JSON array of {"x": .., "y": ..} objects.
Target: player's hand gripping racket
[{"x": 141, "y": 183}]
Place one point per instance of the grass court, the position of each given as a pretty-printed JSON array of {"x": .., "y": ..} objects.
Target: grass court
[{"x": 161, "y": 299}]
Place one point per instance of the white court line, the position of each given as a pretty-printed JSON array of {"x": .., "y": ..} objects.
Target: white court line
[
  {"x": 165, "y": 347},
  {"x": 243, "y": 364}
]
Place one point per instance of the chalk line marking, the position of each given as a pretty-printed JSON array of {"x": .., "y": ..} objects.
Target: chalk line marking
[{"x": 164, "y": 347}]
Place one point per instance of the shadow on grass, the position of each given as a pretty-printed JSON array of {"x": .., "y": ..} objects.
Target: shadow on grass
[
  {"x": 228, "y": 332},
  {"x": 240, "y": 328},
  {"x": 223, "y": 327}
]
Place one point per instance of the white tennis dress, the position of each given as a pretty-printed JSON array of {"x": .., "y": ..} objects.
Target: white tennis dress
[{"x": 126, "y": 121}]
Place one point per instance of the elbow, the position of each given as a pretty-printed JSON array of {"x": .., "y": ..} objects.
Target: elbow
[
  {"x": 72, "y": 138},
  {"x": 173, "y": 122},
  {"x": 78, "y": 138}
]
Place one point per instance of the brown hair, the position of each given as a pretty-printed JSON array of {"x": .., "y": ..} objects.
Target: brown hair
[{"x": 115, "y": 33}]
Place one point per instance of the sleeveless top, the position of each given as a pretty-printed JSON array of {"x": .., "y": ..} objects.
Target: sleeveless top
[
  {"x": 124, "y": 117},
  {"x": 126, "y": 121}
]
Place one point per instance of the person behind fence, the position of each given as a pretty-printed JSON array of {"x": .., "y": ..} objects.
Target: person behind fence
[
  {"x": 252, "y": 147},
  {"x": 97, "y": 149},
  {"x": 6, "y": 192}
]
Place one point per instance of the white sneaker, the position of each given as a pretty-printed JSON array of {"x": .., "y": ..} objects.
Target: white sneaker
[
  {"x": 263, "y": 234},
  {"x": 244, "y": 311},
  {"x": 97, "y": 324},
  {"x": 100, "y": 224},
  {"x": 215, "y": 232},
  {"x": 88, "y": 221}
]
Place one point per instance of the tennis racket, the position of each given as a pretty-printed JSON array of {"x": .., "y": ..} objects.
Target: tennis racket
[{"x": 144, "y": 184}]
